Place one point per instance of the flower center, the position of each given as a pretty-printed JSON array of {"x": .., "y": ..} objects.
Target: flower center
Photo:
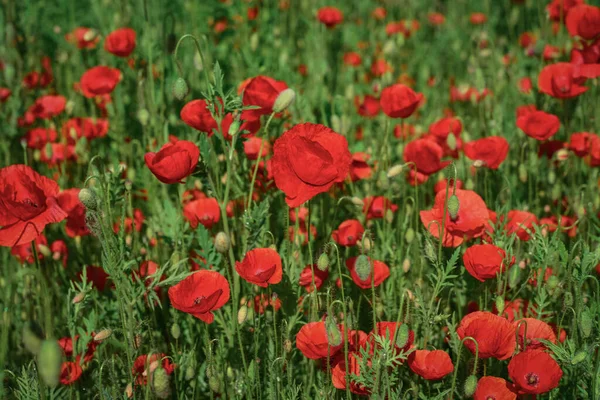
[{"x": 532, "y": 379}]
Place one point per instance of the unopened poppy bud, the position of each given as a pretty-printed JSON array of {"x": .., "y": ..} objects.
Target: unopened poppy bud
[
  {"x": 365, "y": 244},
  {"x": 48, "y": 150},
  {"x": 190, "y": 373},
  {"x": 383, "y": 181},
  {"x": 513, "y": 276},
  {"x": 273, "y": 247},
  {"x": 580, "y": 211},
  {"x": 234, "y": 128},
  {"x": 90, "y": 35},
  {"x": 586, "y": 323},
  {"x": 214, "y": 383},
  {"x": 579, "y": 357},
  {"x": 50, "y": 359},
  {"x": 389, "y": 216},
  {"x": 395, "y": 170},
  {"x": 287, "y": 345},
  {"x": 284, "y": 100},
  {"x": 357, "y": 202},
  {"x": 403, "y": 335},
  {"x": 44, "y": 250},
  {"x": 551, "y": 177},
  {"x": 522, "y": 173},
  {"x": 160, "y": 383},
  {"x": 409, "y": 235},
  {"x": 469, "y": 184},
  {"x": 254, "y": 41},
  {"x": 242, "y": 314},
  {"x": 143, "y": 116},
  {"x": 88, "y": 199},
  {"x": 451, "y": 141},
  {"x": 568, "y": 299},
  {"x": 32, "y": 337},
  {"x": 470, "y": 386},
  {"x": 478, "y": 163},
  {"x": 362, "y": 267},
  {"x": 500, "y": 304},
  {"x": 552, "y": 282},
  {"x": 453, "y": 207},
  {"x": 406, "y": 265},
  {"x": 175, "y": 331},
  {"x": 102, "y": 335},
  {"x": 430, "y": 251},
  {"x": 323, "y": 262},
  {"x": 78, "y": 298},
  {"x": 180, "y": 88},
  {"x": 334, "y": 336},
  {"x": 222, "y": 243},
  {"x": 129, "y": 390},
  {"x": 230, "y": 373}
]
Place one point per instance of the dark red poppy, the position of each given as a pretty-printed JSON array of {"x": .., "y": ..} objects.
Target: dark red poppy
[
  {"x": 83, "y": 38},
  {"x": 330, "y": 16},
  {"x": 583, "y": 20},
  {"x": 525, "y": 85},
  {"x": 492, "y": 151},
  {"x": 306, "y": 278},
  {"x": 98, "y": 81},
  {"x": 360, "y": 169},
  {"x": 120, "y": 42},
  {"x": 426, "y": 155},
  {"x": 27, "y": 204},
  {"x": 530, "y": 330},
  {"x": 261, "y": 91},
  {"x": 307, "y": 160},
  {"x": 538, "y": 124},
  {"x": 522, "y": 223},
  {"x": 174, "y": 161},
  {"x": 534, "y": 372},
  {"x": 96, "y": 275},
  {"x": 379, "y": 273},
  {"x": 352, "y": 59},
  {"x": 68, "y": 200},
  {"x": 37, "y": 138},
  {"x": 379, "y": 67},
  {"x": 202, "y": 211},
  {"x": 253, "y": 145},
  {"x": 376, "y": 207},
  {"x": 485, "y": 261},
  {"x": 260, "y": 267},
  {"x": 580, "y": 143},
  {"x": 70, "y": 372},
  {"x": 4, "y": 94},
  {"x": 494, "y": 335},
  {"x": 197, "y": 115},
  {"x": 399, "y": 101},
  {"x": 348, "y": 233},
  {"x": 558, "y": 10},
  {"x": 559, "y": 80},
  {"x": 491, "y": 387},
  {"x": 312, "y": 341},
  {"x": 144, "y": 365},
  {"x": 430, "y": 365},
  {"x": 200, "y": 294}
]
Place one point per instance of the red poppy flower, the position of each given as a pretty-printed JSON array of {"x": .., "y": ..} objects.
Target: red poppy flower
[
  {"x": 491, "y": 150},
  {"x": 359, "y": 169},
  {"x": 431, "y": 365},
  {"x": 535, "y": 330},
  {"x": 312, "y": 341},
  {"x": 558, "y": 80},
  {"x": 404, "y": 131},
  {"x": 442, "y": 183},
  {"x": 60, "y": 252},
  {"x": 197, "y": 115},
  {"x": 341, "y": 372},
  {"x": 379, "y": 273},
  {"x": 48, "y": 106},
  {"x": 525, "y": 85},
  {"x": 96, "y": 275},
  {"x": 352, "y": 59},
  {"x": 436, "y": 18},
  {"x": 538, "y": 124},
  {"x": 399, "y": 101},
  {"x": 442, "y": 128},
  {"x": 24, "y": 253},
  {"x": 174, "y": 161},
  {"x": 68, "y": 200},
  {"x": 204, "y": 211},
  {"x": 534, "y": 372},
  {"x": 521, "y": 223},
  {"x": 260, "y": 267},
  {"x": 262, "y": 91},
  {"x": 389, "y": 330},
  {"x": 426, "y": 154},
  {"x": 583, "y": 20},
  {"x": 376, "y": 207},
  {"x": 477, "y": 18},
  {"x": 469, "y": 222},
  {"x": 330, "y": 16},
  {"x": 306, "y": 278},
  {"x": 587, "y": 54},
  {"x": 300, "y": 235},
  {"x": 484, "y": 261},
  {"x": 83, "y": 38},
  {"x": 490, "y": 387},
  {"x": 120, "y": 42},
  {"x": 348, "y": 233},
  {"x": 367, "y": 106},
  {"x": 200, "y": 294},
  {"x": 28, "y": 203},
  {"x": 37, "y": 138},
  {"x": 379, "y": 13},
  {"x": 98, "y": 81},
  {"x": 249, "y": 127},
  {"x": 4, "y": 94},
  {"x": 253, "y": 145},
  {"x": 307, "y": 160},
  {"x": 494, "y": 335},
  {"x": 144, "y": 363},
  {"x": 380, "y": 67},
  {"x": 70, "y": 372},
  {"x": 559, "y": 9},
  {"x": 580, "y": 143}
]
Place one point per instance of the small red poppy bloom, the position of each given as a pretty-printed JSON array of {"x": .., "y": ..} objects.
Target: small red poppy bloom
[
  {"x": 352, "y": 59},
  {"x": 70, "y": 372},
  {"x": 368, "y": 106},
  {"x": 37, "y": 138},
  {"x": 525, "y": 85},
  {"x": 83, "y": 38},
  {"x": 379, "y": 13},
  {"x": 442, "y": 183},
  {"x": 580, "y": 143},
  {"x": 307, "y": 160},
  {"x": 386, "y": 329},
  {"x": 312, "y": 341},
  {"x": 469, "y": 222},
  {"x": 484, "y": 261},
  {"x": 174, "y": 161},
  {"x": 436, "y": 18},
  {"x": 495, "y": 336},
  {"x": 89, "y": 128},
  {"x": 68, "y": 200},
  {"x": 426, "y": 154},
  {"x": 197, "y": 115},
  {"x": 491, "y": 387},
  {"x": 491, "y": 150},
  {"x": 558, "y": 80},
  {"x": 200, "y": 294},
  {"x": 98, "y": 81},
  {"x": 144, "y": 364},
  {"x": 534, "y": 372},
  {"x": 261, "y": 91},
  {"x": 48, "y": 106},
  {"x": 96, "y": 275},
  {"x": 360, "y": 169},
  {"x": 330, "y": 16},
  {"x": 583, "y": 20},
  {"x": 28, "y": 202},
  {"x": 306, "y": 278},
  {"x": 442, "y": 128},
  {"x": 260, "y": 267},
  {"x": 534, "y": 329},
  {"x": 399, "y": 101},
  {"x": 379, "y": 273},
  {"x": 253, "y": 145},
  {"x": 120, "y": 42},
  {"x": 379, "y": 67},
  {"x": 376, "y": 207},
  {"x": 202, "y": 211},
  {"x": 477, "y": 18},
  {"x": 4, "y": 94},
  {"x": 521, "y": 223},
  {"x": 431, "y": 365},
  {"x": 538, "y": 124},
  {"x": 348, "y": 233}
]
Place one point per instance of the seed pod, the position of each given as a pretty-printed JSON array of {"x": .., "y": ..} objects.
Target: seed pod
[
  {"x": 552, "y": 282},
  {"x": 568, "y": 299},
  {"x": 287, "y": 345},
  {"x": 190, "y": 373},
  {"x": 451, "y": 141},
  {"x": 470, "y": 386},
  {"x": 365, "y": 244},
  {"x": 175, "y": 331},
  {"x": 129, "y": 390},
  {"x": 334, "y": 336},
  {"x": 402, "y": 336},
  {"x": 357, "y": 202},
  {"x": 430, "y": 251},
  {"x": 551, "y": 177},
  {"x": 161, "y": 383},
  {"x": 242, "y": 314},
  {"x": 522, "y": 173},
  {"x": 453, "y": 207},
  {"x": 88, "y": 199},
  {"x": 234, "y": 128},
  {"x": 389, "y": 216},
  {"x": 395, "y": 170},
  {"x": 586, "y": 323},
  {"x": 230, "y": 373},
  {"x": 513, "y": 276},
  {"x": 222, "y": 243},
  {"x": 45, "y": 250},
  {"x": 214, "y": 383},
  {"x": 323, "y": 262},
  {"x": 579, "y": 357},
  {"x": 180, "y": 88},
  {"x": 284, "y": 100},
  {"x": 32, "y": 337},
  {"x": 406, "y": 265},
  {"x": 500, "y": 304},
  {"x": 409, "y": 235},
  {"x": 49, "y": 361},
  {"x": 143, "y": 116},
  {"x": 362, "y": 267},
  {"x": 102, "y": 335}
]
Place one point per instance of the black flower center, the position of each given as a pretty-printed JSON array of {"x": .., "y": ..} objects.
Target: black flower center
[{"x": 532, "y": 379}]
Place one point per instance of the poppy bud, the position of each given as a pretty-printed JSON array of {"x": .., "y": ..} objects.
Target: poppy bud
[
  {"x": 323, "y": 262},
  {"x": 222, "y": 243},
  {"x": 254, "y": 41},
  {"x": 451, "y": 141},
  {"x": 552, "y": 282},
  {"x": 214, "y": 383},
  {"x": 190, "y": 373},
  {"x": 579, "y": 357},
  {"x": 160, "y": 383},
  {"x": 44, "y": 250},
  {"x": 409, "y": 235},
  {"x": 567, "y": 299},
  {"x": 430, "y": 251},
  {"x": 562, "y": 154},
  {"x": 48, "y": 150},
  {"x": 389, "y": 216},
  {"x": 551, "y": 177},
  {"x": 49, "y": 362},
  {"x": 362, "y": 267},
  {"x": 470, "y": 386},
  {"x": 102, "y": 335},
  {"x": 365, "y": 244},
  {"x": 586, "y": 323},
  {"x": 556, "y": 191},
  {"x": 469, "y": 184},
  {"x": 395, "y": 170},
  {"x": 284, "y": 100},
  {"x": 234, "y": 128},
  {"x": 88, "y": 199},
  {"x": 32, "y": 337},
  {"x": 453, "y": 207},
  {"x": 403, "y": 336},
  {"x": 406, "y": 265},
  {"x": 175, "y": 331},
  {"x": 78, "y": 298},
  {"x": 242, "y": 314},
  {"x": 357, "y": 202},
  {"x": 334, "y": 336},
  {"x": 382, "y": 181},
  {"x": 180, "y": 88},
  {"x": 522, "y": 173},
  {"x": 499, "y": 304},
  {"x": 287, "y": 345},
  {"x": 514, "y": 275},
  {"x": 129, "y": 390}
]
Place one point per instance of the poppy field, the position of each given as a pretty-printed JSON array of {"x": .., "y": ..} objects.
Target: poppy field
[{"x": 300, "y": 199}]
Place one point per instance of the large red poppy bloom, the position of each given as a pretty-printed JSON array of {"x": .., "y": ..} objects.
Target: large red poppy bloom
[
  {"x": 538, "y": 124},
  {"x": 426, "y": 154},
  {"x": 389, "y": 330},
  {"x": 491, "y": 150},
  {"x": 306, "y": 278},
  {"x": 205, "y": 211},
  {"x": 27, "y": 204},
  {"x": 46, "y": 107},
  {"x": 536, "y": 330},
  {"x": 330, "y": 16},
  {"x": 174, "y": 161},
  {"x": 69, "y": 201},
  {"x": 89, "y": 128},
  {"x": 260, "y": 267},
  {"x": 98, "y": 81},
  {"x": 261, "y": 91},
  {"x": 399, "y": 101},
  {"x": 197, "y": 115},
  {"x": 484, "y": 261},
  {"x": 470, "y": 221},
  {"x": 348, "y": 233},
  {"x": 583, "y": 20},
  {"x": 379, "y": 273},
  {"x": 431, "y": 365},
  {"x": 120, "y": 42},
  {"x": 558, "y": 80},
  {"x": 200, "y": 294},
  {"x": 494, "y": 335},
  {"x": 580, "y": 143},
  {"x": 534, "y": 372},
  {"x": 312, "y": 341},
  {"x": 490, "y": 387},
  {"x": 307, "y": 160}
]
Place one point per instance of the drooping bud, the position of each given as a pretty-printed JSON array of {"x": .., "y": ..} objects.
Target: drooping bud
[
  {"x": 222, "y": 243},
  {"x": 242, "y": 314},
  {"x": 365, "y": 243},
  {"x": 50, "y": 359},
  {"x": 409, "y": 235},
  {"x": 453, "y": 207},
  {"x": 175, "y": 331},
  {"x": 32, "y": 337},
  {"x": 334, "y": 336},
  {"x": 522, "y": 173},
  {"x": 357, "y": 202},
  {"x": 284, "y": 100},
  {"x": 190, "y": 373},
  {"x": 129, "y": 390},
  {"x": 362, "y": 267},
  {"x": 160, "y": 383},
  {"x": 568, "y": 299},
  {"x": 500, "y": 304},
  {"x": 395, "y": 170},
  {"x": 470, "y": 386},
  {"x": 586, "y": 323},
  {"x": 88, "y": 198},
  {"x": 402, "y": 336},
  {"x": 214, "y": 383},
  {"x": 513, "y": 276},
  {"x": 78, "y": 298},
  {"x": 180, "y": 88},
  {"x": 287, "y": 345},
  {"x": 323, "y": 262},
  {"x": 579, "y": 357},
  {"x": 102, "y": 335}
]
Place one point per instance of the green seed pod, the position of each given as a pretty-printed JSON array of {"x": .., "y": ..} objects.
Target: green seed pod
[
  {"x": 430, "y": 251},
  {"x": 242, "y": 314},
  {"x": 552, "y": 282},
  {"x": 50, "y": 359},
  {"x": 143, "y": 116},
  {"x": 323, "y": 262},
  {"x": 556, "y": 192},
  {"x": 230, "y": 373},
  {"x": 175, "y": 331},
  {"x": 284, "y": 100},
  {"x": 451, "y": 141},
  {"x": 362, "y": 267},
  {"x": 586, "y": 323},
  {"x": 580, "y": 356},
  {"x": 180, "y": 88},
  {"x": 522, "y": 173},
  {"x": 161, "y": 383},
  {"x": 190, "y": 373},
  {"x": 499, "y": 304},
  {"x": 470, "y": 386},
  {"x": 222, "y": 243},
  {"x": 568, "y": 299},
  {"x": 453, "y": 207},
  {"x": 214, "y": 383},
  {"x": 334, "y": 336},
  {"x": 32, "y": 337},
  {"x": 402, "y": 336},
  {"x": 409, "y": 235},
  {"x": 469, "y": 184},
  {"x": 234, "y": 128},
  {"x": 88, "y": 199},
  {"x": 514, "y": 275},
  {"x": 551, "y": 177}
]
